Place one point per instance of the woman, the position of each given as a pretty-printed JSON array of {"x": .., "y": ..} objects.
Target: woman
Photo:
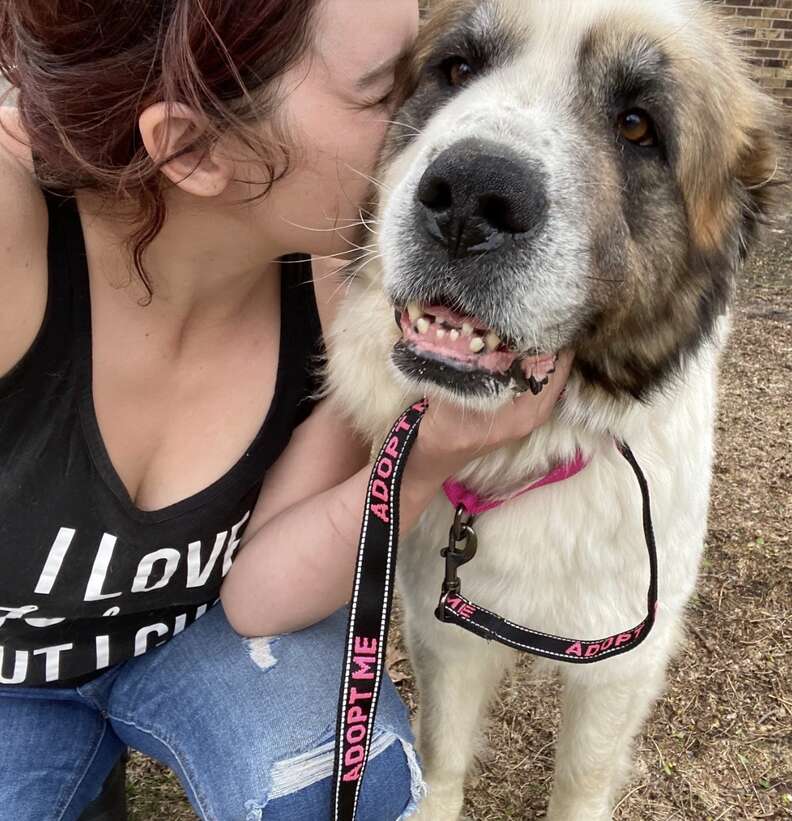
[{"x": 159, "y": 446}]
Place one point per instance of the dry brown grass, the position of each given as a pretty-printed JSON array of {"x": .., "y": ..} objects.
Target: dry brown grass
[{"x": 719, "y": 745}]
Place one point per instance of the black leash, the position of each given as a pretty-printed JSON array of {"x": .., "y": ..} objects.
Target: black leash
[
  {"x": 369, "y": 614},
  {"x": 454, "y": 608},
  {"x": 370, "y": 608}
]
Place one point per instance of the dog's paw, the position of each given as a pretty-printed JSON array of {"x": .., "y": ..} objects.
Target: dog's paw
[
  {"x": 439, "y": 806},
  {"x": 429, "y": 811}
]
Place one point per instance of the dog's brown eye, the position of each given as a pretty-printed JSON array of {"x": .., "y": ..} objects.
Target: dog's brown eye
[
  {"x": 458, "y": 71},
  {"x": 637, "y": 127}
]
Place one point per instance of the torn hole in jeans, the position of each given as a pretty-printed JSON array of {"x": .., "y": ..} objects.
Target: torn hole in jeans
[
  {"x": 291, "y": 775},
  {"x": 260, "y": 650}
]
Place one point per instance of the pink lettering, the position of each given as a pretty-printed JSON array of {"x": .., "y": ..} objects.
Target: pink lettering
[
  {"x": 403, "y": 425},
  {"x": 454, "y": 603},
  {"x": 381, "y": 512},
  {"x": 356, "y": 733},
  {"x": 420, "y": 406},
  {"x": 353, "y": 774},
  {"x": 624, "y": 638},
  {"x": 365, "y": 646},
  {"x": 356, "y": 715},
  {"x": 364, "y": 668},
  {"x": 592, "y": 650},
  {"x": 356, "y": 695},
  {"x": 354, "y": 755},
  {"x": 607, "y": 644},
  {"x": 379, "y": 490},
  {"x": 466, "y": 611},
  {"x": 366, "y": 650},
  {"x": 575, "y": 650},
  {"x": 385, "y": 468},
  {"x": 393, "y": 448}
]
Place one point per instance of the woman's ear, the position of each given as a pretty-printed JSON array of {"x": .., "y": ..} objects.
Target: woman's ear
[{"x": 173, "y": 130}]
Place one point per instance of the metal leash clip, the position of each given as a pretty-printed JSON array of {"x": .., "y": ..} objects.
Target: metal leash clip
[{"x": 461, "y": 531}]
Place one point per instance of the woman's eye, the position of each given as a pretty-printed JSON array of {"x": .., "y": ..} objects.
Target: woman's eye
[
  {"x": 638, "y": 128},
  {"x": 387, "y": 97},
  {"x": 380, "y": 101},
  {"x": 458, "y": 71}
]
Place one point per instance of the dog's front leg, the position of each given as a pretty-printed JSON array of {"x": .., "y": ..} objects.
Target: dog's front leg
[
  {"x": 457, "y": 674},
  {"x": 602, "y": 711}
]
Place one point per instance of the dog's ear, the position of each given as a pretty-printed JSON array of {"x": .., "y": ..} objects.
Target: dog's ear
[
  {"x": 734, "y": 181},
  {"x": 761, "y": 179}
]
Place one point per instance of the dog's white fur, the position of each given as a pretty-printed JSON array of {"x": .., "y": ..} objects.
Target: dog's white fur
[{"x": 569, "y": 559}]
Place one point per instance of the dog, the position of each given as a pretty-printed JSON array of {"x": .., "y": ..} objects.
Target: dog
[{"x": 562, "y": 175}]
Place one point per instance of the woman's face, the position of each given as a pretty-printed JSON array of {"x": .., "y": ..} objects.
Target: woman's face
[{"x": 335, "y": 112}]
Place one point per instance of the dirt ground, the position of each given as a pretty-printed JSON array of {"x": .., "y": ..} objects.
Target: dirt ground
[{"x": 719, "y": 745}]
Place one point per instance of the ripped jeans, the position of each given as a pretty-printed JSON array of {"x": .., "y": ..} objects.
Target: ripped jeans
[{"x": 247, "y": 725}]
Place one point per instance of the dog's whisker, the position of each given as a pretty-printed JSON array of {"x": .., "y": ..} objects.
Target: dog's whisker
[
  {"x": 357, "y": 247},
  {"x": 353, "y": 276},
  {"x": 401, "y": 125},
  {"x": 372, "y": 180},
  {"x": 333, "y": 275},
  {"x": 339, "y": 255},
  {"x": 336, "y": 229}
]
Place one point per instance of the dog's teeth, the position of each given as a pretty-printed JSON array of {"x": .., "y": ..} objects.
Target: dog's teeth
[
  {"x": 454, "y": 335},
  {"x": 477, "y": 344},
  {"x": 493, "y": 342},
  {"x": 441, "y": 333},
  {"x": 423, "y": 325},
  {"x": 467, "y": 329},
  {"x": 414, "y": 311}
]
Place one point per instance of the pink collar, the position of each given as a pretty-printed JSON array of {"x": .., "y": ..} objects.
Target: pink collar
[{"x": 475, "y": 505}]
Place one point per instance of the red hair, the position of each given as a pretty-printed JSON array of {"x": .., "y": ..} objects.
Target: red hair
[{"x": 84, "y": 72}]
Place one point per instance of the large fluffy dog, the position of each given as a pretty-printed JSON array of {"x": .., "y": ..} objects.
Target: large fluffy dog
[{"x": 583, "y": 174}]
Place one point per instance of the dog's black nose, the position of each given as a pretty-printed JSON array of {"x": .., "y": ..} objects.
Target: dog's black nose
[{"x": 477, "y": 193}]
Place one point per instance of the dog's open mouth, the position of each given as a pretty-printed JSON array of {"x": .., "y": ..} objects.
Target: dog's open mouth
[{"x": 459, "y": 352}]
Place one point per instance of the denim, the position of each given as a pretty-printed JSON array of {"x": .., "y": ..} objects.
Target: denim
[{"x": 246, "y": 724}]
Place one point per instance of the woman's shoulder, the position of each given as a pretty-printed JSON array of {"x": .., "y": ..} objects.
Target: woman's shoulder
[{"x": 23, "y": 245}]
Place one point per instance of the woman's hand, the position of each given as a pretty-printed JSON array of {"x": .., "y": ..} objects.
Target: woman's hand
[{"x": 450, "y": 438}]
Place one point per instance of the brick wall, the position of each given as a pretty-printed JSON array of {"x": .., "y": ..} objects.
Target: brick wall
[{"x": 765, "y": 26}]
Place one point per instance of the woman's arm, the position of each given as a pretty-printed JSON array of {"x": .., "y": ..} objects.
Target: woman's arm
[{"x": 297, "y": 561}]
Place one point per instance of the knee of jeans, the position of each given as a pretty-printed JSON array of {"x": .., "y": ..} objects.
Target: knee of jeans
[{"x": 301, "y": 786}]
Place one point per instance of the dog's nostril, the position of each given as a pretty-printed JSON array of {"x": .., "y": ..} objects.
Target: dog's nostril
[
  {"x": 477, "y": 195},
  {"x": 435, "y": 193},
  {"x": 500, "y": 213}
]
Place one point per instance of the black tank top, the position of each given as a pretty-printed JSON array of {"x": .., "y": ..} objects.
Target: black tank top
[{"x": 87, "y": 580}]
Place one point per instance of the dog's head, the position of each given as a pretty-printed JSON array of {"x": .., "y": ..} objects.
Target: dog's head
[{"x": 566, "y": 174}]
